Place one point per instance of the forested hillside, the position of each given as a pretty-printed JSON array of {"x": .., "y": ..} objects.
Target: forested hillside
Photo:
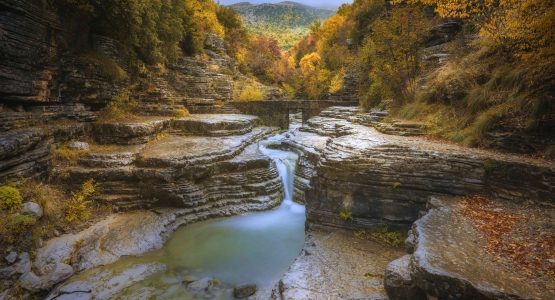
[
  {"x": 287, "y": 22},
  {"x": 469, "y": 70}
]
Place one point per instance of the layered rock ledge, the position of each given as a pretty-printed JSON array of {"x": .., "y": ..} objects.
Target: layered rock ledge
[
  {"x": 159, "y": 163},
  {"x": 451, "y": 259},
  {"x": 374, "y": 179}
]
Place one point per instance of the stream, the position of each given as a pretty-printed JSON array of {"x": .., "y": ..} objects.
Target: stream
[{"x": 206, "y": 260}]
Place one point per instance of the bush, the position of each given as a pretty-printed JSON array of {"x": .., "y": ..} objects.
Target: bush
[
  {"x": 77, "y": 208},
  {"x": 346, "y": 214},
  {"x": 181, "y": 113},
  {"x": 14, "y": 226},
  {"x": 248, "y": 91},
  {"x": 10, "y": 198},
  {"x": 108, "y": 66},
  {"x": 120, "y": 108},
  {"x": 48, "y": 197}
]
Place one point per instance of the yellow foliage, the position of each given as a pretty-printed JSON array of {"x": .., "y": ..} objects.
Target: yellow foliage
[
  {"x": 290, "y": 91},
  {"x": 181, "y": 113},
  {"x": 336, "y": 83},
  {"x": 204, "y": 12},
  {"x": 77, "y": 208},
  {"x": 523, "y": 26},
  {"x": 248, "y": 91},
  {"x": 309, "y": 63},
  {"x": 10, "y": 198}
]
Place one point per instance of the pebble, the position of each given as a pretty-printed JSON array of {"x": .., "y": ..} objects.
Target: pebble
[{"x": 10, "y": 258}]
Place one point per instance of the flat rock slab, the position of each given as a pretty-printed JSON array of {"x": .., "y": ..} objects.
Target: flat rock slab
[
  {"x": 131, "y": 132},
  {"x": 337, "y": 265},
  {"x": 215, "y": 124},
  {"x": 452, "y": 257},
  {"x": 177, "y": 150}
]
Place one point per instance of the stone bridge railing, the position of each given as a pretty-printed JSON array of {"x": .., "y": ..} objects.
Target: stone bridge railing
[{"x": 276, "y": 112}]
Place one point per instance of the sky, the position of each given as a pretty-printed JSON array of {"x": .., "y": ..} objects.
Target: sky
[{"x": 316, "y": 3}]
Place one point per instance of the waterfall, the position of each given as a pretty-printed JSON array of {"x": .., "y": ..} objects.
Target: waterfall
[{"x": 286, "y": 163}]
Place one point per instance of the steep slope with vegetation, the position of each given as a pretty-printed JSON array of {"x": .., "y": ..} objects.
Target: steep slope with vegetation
[
  {"x": 475, "y": 72},
  {"x": 287, "y": 22}
]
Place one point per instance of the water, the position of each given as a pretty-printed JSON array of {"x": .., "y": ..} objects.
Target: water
[{"x": 252, "y": 248}]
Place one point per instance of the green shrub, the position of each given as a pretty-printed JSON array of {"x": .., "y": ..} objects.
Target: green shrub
[
  {"x": 108, "y": 66},
  {"x": 14, "y": 226},
  {"x": 120, "y": 108},
  {"x": 10, "y": 198}
]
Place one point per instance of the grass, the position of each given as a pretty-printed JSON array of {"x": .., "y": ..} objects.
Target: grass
[
  {"x": 64, "y": 154},
  {"x": 109, "y": 67},
  {"x": 479, "y": 90},
  {"x": 345, "y": 214},
  {"x": 61, "y": 211},
  {"x": 120, "y": 108},
  {"x": 383, "y": 236}
]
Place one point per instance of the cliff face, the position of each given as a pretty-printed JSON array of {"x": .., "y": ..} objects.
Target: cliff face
[
  {"x": 38, "y": 68},
  {"x": 50, "y": 87},
  {"x": 28, "y": 50},
  {"x": 355, "y": 177}
]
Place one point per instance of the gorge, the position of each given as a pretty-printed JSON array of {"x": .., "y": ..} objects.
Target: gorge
[{"x": 194, "y": 177}]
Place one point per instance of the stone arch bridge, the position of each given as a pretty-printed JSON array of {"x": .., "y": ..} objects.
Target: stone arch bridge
[{"x": 276, "y": 112}]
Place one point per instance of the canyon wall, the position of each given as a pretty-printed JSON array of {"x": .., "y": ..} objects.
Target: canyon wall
[{"x": 355, "y": 177}]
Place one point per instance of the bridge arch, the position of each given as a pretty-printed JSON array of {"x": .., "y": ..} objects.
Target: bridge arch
[{"x": 276, "y": 112}]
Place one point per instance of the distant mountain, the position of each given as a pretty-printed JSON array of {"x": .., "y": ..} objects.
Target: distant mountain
[{"x": 287, "y": 21}]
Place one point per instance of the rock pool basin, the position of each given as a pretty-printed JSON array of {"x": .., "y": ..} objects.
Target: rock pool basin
[{"x": 207, "y": 259}]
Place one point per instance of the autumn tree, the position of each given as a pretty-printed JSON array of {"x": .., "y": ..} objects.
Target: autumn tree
[
  {"x": 393, "y": 50},
  {"x": 262, "y": 54},
  {"x": 521, "y": 26}
]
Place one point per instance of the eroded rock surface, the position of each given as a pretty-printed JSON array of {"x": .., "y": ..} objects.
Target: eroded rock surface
[
  {"x": 184, "y": 170},
  {"x": 337, "y": 265},
  {"x": 451, "y": 259},
  {"x": 376, "y": 179},
  {"x": 197, "y": 167}
]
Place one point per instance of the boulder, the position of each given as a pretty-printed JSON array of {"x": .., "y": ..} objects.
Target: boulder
[
  {"x": 463, "y": 267},
  {"x": 24, "y": 264},
  {"x": 58, "y": 273},
  {"x": 340, "y": 266},
  {"x": 32, "y": 208},
  {"x": 106, "y": 283},
  {"x": 203, "y": 284},
  {"x": 244, "y": 291},
  {"x": 398, "y": 282}
]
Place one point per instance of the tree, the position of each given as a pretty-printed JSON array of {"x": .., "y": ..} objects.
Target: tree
[
  {"x": 393, "y": 51},
  {"x": 263, "y": 53}
]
